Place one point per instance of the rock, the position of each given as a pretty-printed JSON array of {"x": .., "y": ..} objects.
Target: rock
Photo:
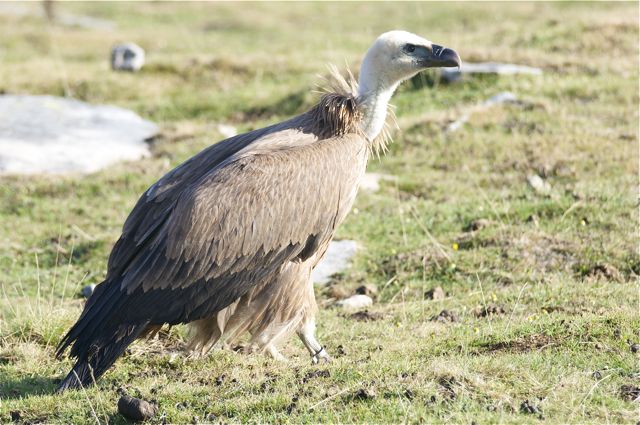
[
  {"x": 87, "y": 291},
  {"x": 454, "y": 74},
  {"x": 371, "y": 181},
  {"x": 50, "y": 12},
  {"x": 368, "y": 289},
  {"x": 83, "y": 21},
  {"x": 445, "y": 316},
  {"x": 335, "y": 260},
  {"x": 436, "y": 293},
  {"x": 227, "y": 130},
  {"x": 355, "y": 302},
  {"x": 635, "y": 348},
  {"x": 538, "y": 184},
  {"x": 127, "y": 57},
  {"x": 136, "y": 409},
  {"x": 54, "y": 135}
]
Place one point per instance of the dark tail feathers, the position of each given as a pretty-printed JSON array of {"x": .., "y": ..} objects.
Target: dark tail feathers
[{"x": 97, "y": 355}]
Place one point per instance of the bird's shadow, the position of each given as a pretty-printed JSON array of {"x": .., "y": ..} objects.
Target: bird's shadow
[{"x": 11, "y": 389}]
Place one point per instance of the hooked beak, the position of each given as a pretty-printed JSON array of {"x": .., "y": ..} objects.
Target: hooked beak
[{"x": 442, "y": 57}]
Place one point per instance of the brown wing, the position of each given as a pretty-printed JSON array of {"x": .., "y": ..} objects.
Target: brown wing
[{"x": 227, "y": 230}]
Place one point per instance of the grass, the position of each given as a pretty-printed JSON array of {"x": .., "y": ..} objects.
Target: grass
[{"x": 559, "y": 270}]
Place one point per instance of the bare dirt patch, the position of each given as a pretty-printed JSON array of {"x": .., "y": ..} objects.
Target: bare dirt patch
[
  {"x": 366, "y": 316},
  {"x": 541, "y": 252},
  {"x": 522, "y": 344}
]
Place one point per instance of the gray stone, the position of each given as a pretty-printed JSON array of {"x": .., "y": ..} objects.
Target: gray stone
[
  {"x": 454, "y": 74},
  {"x": 355, "y": 302},
  {"x": 53, "y": 135},
  {"x": 87, "y": 291},
  {"x": 50, "y": 11},
  {"x": 127, "y": 57},
  {"x": 335, "y": 260}
]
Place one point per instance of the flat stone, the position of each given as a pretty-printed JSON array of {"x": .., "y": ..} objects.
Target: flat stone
[
  {"x": 454, "y": 74},
  {"x": 355, "y": 302},
  {"x": 54, "y": 135},
  {"x": 336, "y": 259},
  {"x": 21, "y": 9}
]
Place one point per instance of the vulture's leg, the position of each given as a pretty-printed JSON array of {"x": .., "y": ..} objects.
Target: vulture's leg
[
  {"x": 307, "y": 334},
  {"x": 273, "y": 352}
]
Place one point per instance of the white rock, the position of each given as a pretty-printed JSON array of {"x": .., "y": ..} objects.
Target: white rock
[
  {"x": 127, "y": 57},
  {"x": 538, "y": 184},
  {"x": 19, "y": 9},
  {"x": 227, "y": 130},
  {"x": 86, "y": 22},
  {"x": 371, "y": 181},
  {"x": 355, "y": 302},
  {"x": 53, "y": 135},
  {"x": 335, "y": 260},
  {"x": 453, "y": 74}
]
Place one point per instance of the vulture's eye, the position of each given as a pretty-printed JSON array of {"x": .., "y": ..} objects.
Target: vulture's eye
[{"x": 410, "y": 48}]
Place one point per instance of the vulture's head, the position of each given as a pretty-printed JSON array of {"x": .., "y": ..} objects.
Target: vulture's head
[{"x": 398, "y": 55}]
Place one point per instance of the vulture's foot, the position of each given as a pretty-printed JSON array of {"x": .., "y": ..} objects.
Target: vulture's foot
[
  {"x": 321, "y": 356},
  {"x": 307, "y": 334},
  {"x": 275, "y": 354}
]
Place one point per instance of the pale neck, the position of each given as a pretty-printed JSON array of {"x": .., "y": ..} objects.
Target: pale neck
[
  {"x": 374, "y": 103},
  {"x": 374, "y": 93}
]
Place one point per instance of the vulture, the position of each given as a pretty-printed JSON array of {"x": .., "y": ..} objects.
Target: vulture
[{"x": 227, "y": 240}]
